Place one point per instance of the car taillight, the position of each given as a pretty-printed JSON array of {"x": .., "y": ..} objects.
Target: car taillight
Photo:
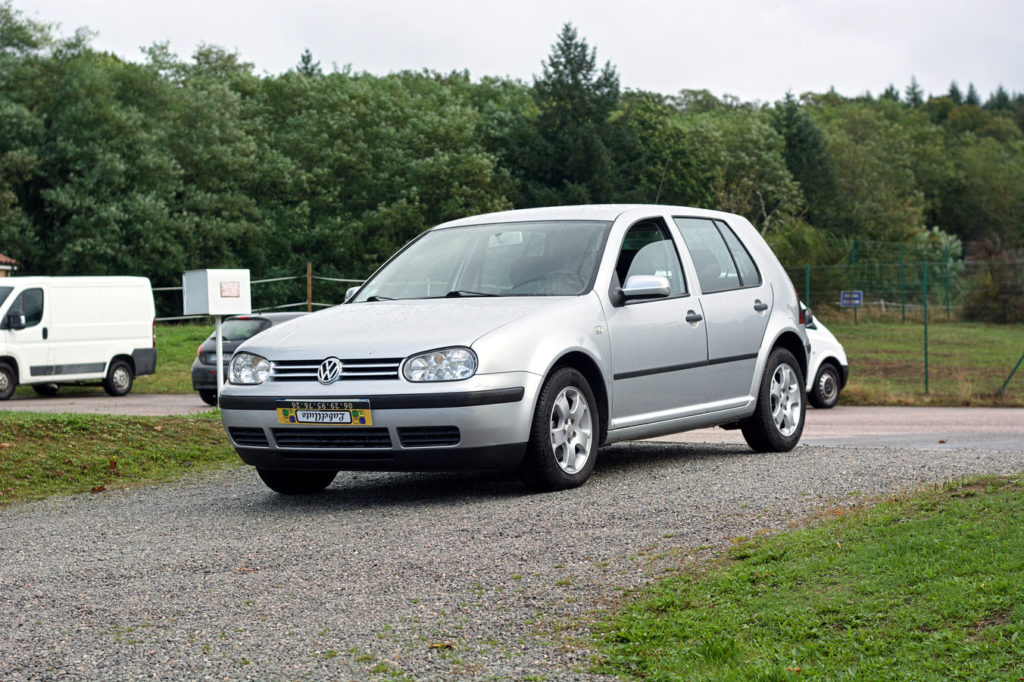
[
  {"x": 154, "y": 333},
  {"x": 199, "y": 352},
  {"x": 799, "y": 305}
]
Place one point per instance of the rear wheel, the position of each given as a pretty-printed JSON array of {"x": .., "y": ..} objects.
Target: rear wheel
[
  {"x": 45, "y": 389},
  {"x": 563, "y": 439},
  {"x": 209, "y": 397},
  {"x": 778, "y": 419},
  {"x": 119, "y": 378},
  {"x": 825, "y": 392},
  {"x": 8, "y": 381},
  {"x": 296, "y": 482}
]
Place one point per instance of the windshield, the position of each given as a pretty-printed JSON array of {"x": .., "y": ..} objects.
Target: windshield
[
  {"x": 4, "y": 293},
  {"x": 554, "y": 258}
]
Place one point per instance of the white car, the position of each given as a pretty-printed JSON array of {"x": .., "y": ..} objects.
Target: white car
[{"x": 828, "y": 369}]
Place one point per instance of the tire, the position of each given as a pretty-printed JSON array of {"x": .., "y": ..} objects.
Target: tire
[
  {"x": 564, "y": 435},
  {"x": 8, "y": 381},
  {"x": 209, "y": 397},
  {"x": 296, "y": 482},
  {"x": 119, "y": 378},
  {"x": 46, "y": 390},
  {"x": 825, "y": 392},
  {"x": 778, "y": 419}
]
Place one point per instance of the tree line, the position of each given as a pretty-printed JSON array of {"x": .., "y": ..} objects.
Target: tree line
[{"x": 115, "y": 167}]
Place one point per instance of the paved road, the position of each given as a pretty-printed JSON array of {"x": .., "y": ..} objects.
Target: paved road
[
  {"x": 917, "y": 427},
  {"x": 432, "y": 576}
]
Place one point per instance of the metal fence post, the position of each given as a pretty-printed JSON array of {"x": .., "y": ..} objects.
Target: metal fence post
[
  {"x": 949, "y": 314},
  {"x": 925, "y": 283},
  {"x": 903, "y": 296},
  {"x": 807, "y": 285}
]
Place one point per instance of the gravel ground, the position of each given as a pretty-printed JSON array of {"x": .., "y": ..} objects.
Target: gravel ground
[{"x": 430, "y": 576}]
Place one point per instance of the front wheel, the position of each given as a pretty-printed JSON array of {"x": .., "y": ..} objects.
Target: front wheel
[
  {"x": 564, "y": 436},
  {"x": 119, "y": 378},
  {"x": 296, "y": 482},
  {"x": 8, "y": 381},
  {"x": 778, "y": 419},
  {"x": 825, "y": 392},
  {"x": 46, "y": 390}
]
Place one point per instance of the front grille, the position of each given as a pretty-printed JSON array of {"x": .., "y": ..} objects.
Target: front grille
[
  {"x": 248, "y": 436},
  {"x": 428, "y": 436},
  {"x": 329, "y": 438},
  {"x": 352, "y": 370}
]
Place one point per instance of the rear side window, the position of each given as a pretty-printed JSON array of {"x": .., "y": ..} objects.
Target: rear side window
[
  {"x": 721, "y": 260},
  {"x": 745, "y": 267}
]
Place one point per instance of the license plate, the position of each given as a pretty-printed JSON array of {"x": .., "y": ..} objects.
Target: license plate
[{"x": 332, "y": 412}]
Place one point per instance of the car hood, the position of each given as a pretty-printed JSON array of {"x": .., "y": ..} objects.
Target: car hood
[{"x": 392, "y": 329}]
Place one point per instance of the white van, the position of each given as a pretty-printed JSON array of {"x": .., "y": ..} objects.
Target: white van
[{"x": 75, "y": 330}]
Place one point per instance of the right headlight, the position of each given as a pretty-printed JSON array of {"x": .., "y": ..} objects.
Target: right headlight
[
  {"x": 248, "y": 368},
  {"x": 444, "y": 364}
]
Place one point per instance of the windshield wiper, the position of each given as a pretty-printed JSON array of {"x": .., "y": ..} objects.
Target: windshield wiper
[
  {"x": 458, "y": 293},
  {"x": 374, "y": 299}
]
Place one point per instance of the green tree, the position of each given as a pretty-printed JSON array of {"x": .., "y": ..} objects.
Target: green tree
[
  {"x": 307, "y": 67},
  {"x": 914, "y": 93},
  {"x": 808, "y": 159}
]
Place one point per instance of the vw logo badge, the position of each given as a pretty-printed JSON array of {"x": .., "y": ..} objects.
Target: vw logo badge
[{"x": 329, "y": 372}]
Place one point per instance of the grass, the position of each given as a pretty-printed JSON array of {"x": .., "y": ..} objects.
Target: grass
[
  {"x": 967, "y": 363},
  {"x": 59, "y": 454},
  {"x": 930, "y": 587}
]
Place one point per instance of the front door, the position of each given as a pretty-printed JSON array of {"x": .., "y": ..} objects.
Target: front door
[{"x": 658, "y": 354}]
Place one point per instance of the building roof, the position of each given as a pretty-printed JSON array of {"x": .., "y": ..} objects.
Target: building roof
[{"x": 7, "y": 260}]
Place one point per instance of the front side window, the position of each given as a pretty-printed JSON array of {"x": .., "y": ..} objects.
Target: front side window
[
  {"x": 29, "y": 302},
  {"x": 647, "y": 249},
  {"x": 543, "y": 258}
]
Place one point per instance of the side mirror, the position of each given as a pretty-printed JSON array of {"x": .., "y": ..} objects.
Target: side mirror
[
  {"x": 808, "y": 317},
  {"x": 646, "y": 286},
  {"x": 14, "y": 319},
  {"x": 350, "y": 293}
]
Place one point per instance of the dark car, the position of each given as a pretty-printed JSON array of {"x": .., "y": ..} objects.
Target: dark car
[{"x": 234, "y": 331}]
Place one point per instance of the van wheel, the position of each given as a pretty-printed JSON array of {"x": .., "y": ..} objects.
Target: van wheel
[
  {"x": 825, "y": 392},
  {"x": 209, "y": 397},
  {"x": 296, "y": 482},
  {"x": 46, "y": 389},
  {"x": 564, "y": 435},
  {"x": 778, "y": 419},
  {"x": 8, "y": 381},
  {"x": 119, "y": 378}
]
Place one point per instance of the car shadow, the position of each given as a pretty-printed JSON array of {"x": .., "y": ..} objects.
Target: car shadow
[{"x": 616, "y": 464}]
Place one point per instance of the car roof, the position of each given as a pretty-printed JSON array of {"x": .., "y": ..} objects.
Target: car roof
[{"x": 606, "y": 212}]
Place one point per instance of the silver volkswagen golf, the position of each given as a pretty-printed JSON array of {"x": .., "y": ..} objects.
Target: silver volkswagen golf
[{"x": 524, "y": 340}]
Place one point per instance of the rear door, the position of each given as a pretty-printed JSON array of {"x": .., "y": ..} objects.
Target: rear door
[{"x": 737, "y": 302}]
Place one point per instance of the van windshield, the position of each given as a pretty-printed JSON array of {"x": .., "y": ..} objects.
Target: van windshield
[{"x": 4, "y": 293}]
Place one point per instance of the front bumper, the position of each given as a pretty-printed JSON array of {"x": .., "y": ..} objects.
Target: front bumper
[{"x": 482, "y": 423}]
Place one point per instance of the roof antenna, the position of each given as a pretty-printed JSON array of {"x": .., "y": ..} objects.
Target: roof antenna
[{"x": 660, "y": 184}]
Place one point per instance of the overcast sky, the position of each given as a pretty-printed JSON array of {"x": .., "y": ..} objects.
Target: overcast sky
[{"x": 753, "y": 49}]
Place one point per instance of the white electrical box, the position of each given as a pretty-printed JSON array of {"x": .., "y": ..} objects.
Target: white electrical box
[{"x": 216, "y": 292}]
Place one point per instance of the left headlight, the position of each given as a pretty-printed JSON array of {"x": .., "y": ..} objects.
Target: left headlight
[
  {"x": 446, "y": 364},
  {"x": 247, "y": 368}
]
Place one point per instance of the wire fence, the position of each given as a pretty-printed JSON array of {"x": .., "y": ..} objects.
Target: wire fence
[{"x": 268, "y": 294}]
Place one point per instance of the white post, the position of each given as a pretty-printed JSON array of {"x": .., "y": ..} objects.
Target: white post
[{"x": 220, "y": 356}]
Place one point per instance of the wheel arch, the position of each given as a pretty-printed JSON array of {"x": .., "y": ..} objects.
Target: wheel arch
[
  {"x": 795, "y": 345},
  {"x": 11, "y": 361},
  {"x": 585, "y": 365}
]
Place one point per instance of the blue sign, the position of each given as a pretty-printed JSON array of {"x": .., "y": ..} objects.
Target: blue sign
[{"x": 851, "y": 299}]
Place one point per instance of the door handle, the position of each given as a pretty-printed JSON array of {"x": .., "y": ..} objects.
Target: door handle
[
  {"x": 759, "y": 306},
  {"x": 693, "y": 317},
  {"x": 46, "y": 333}
]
